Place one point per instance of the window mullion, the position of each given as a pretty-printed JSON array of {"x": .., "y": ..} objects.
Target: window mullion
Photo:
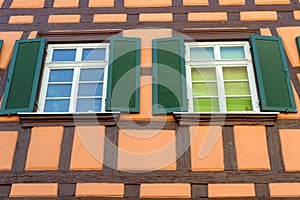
[
  {"x": 252, "y": 85},
  {"x": 44, "y": 88},
  {"x": 104, "y": 88},
  {"x": 221, "y": 88},
  {"x": 189, "y": 88},
  {"x": 75, "y": 87}
]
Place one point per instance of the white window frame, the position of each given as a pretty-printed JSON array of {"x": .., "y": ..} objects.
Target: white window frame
[
  {"x": 218, "y": 64},
  {"x": 76, "y": 66}
]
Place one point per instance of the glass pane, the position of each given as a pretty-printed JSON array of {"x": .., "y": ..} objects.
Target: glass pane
[
  {"x": 90, "y": 89},
  {"x": 88, "y": 105},
  {"x": 235, "y": 73},
  {"x": 239, "y": 104},
  {"x": 205, "y": 89},
  {"x": 61, "y": 75},
  {"x": 64, "y": 55},
  {"x": 200, "y": 74},
  {"x": 206, "y": 105},
  {"x": 237, "y": 88},
  {"x": 91, "y": 74},
  {"x": 57, "y": 105},
  {"x": 202, "y": 53},
  {"x": 93, "y": 54},
  {"x": 59, "y": 90},
  {"x": 232, "y": 53}
]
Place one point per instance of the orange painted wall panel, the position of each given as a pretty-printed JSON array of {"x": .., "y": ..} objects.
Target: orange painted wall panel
[
  {"x": 99, "y": 190},
  {"x": 34, "y": 190},
  {"x": 66, "y": 3},
  {"x": 8, "y": 141},
  {"x": 27, "y": 4},
  {"x": 176, "y": 190}
]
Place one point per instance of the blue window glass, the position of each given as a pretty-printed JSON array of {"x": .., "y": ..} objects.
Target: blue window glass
[
  {"x": 90, "y": 89},
  {"x": 91, "y": 74},
  {"x": 88, "y": 105},
  {"x": 61, "y": 75},
  {"x": 93, "y": 54},
  {"x": 57, "y": 105},
  {"x": 202, "y": 53},
  {"x": 232, "y": 53},
  {"x": 59, "y": 90},
  {"x": 64, "y": 55}
]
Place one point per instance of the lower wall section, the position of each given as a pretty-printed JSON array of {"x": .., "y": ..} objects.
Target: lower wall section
[
  {"x": 169, "y": 161},
  {"x": 154, "y": 190}
]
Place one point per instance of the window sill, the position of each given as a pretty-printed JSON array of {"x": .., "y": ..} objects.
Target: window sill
[
  {"x": 68, "y": 119},
  {"x": 219, "y": 119}
]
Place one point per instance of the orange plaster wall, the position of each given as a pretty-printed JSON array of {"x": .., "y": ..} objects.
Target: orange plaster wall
[
  {"x": 258, "y": 15},
  {"x": 265, "y": 31},
  {"x": 32, "y": 35},
  {"x": 267, "y": 2},
  {"x": 147, "y": 3},
  {"x": 8, "y": 141},
  {"x": 66, "y": 3},
  {"x": 146, "y": 35},
  {"x": 195, "y": 2},
  {"x": 284, "y": 189},
  {"x": 27, "y": 4},
  {"x": 9, "y": 39},
  {"x": 231, "y": 2},
  {"x": 290, "y": 143},
  {"x": 147, "y": 150},
  {"x": 175, "y": 190},
  {"x": 208, "y": 16},
  {"x": 231, "y": 190},
  {"x": 44, "y": 148},
  {"x": 99, "y": 190},
  {"x": 251, "y": 148},
  {"x": 206, "y": 148},
  {"x": 1, "y": 3},
  {"x": 34, "y": 190},
  {"x": 288, "y": 35},
  {"x": 88, "y": 148},
  {"x": 101, "y": 3}
]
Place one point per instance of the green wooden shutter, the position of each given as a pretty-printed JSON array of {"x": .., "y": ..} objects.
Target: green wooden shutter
[
  {"x": 273, "y": 78},
  {"x": 23, "y": 76},
  {"x": 298, "y": 44},
  {"x": 123, "y": 88},
  {"x": 1, "y": 43},
  {"x": 168, "y": 73}
]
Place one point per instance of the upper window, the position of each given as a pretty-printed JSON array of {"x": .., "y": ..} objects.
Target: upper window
[
  {"x": 220, "y": 77},
  {"x": 74, "y": 78}
]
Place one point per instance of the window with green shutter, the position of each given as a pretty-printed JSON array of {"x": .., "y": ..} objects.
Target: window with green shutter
[
  {"x": 168, "y": 73},
  {"x": 220, "y": 77},
  {"x": 272, "y": 74},
  {"x": 123, "y": 86},
  {"x": 23, "y": 77}
]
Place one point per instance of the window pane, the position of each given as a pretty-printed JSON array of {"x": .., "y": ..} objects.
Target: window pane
[
  {"x": 91, "y": 74},
  {"x": 57, "y": 105},
  {"x": 88, "y": 105},
  {"x": 90, "y": 89},
  {"x": 59, "y": 90},
  {"x": 237, "y": 88},
  {"x": 61, "y": 75},
  {"x": 232, "y": 53},
  {"x": 235, "y": 73},
  {"x": 199, "y": 74},
  {"x": 205, "y": 89},
  {"x": 93, "y": 54},
  {"x": 206, "y": 105},
  {"x": 64, "y": 55},
  {"x": 202, "y": 53},
  {"x": 239, "y": 104}
]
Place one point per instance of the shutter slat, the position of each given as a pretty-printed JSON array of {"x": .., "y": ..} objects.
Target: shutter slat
[
  {"x": 123, "y": 92},
  {"x": 23, "y": 78},
  {"x": 273, "y": 78},
  {"x": 169, "y": 80}
]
